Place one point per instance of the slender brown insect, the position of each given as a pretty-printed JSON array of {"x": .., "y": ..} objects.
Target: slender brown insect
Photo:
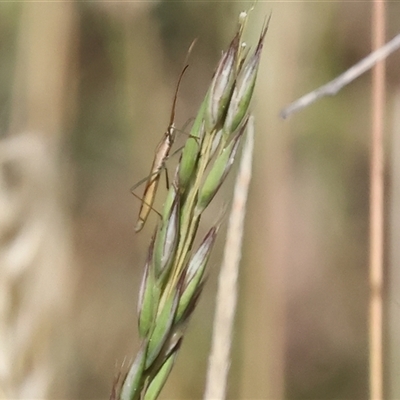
[{"x": 162, "y": 152}]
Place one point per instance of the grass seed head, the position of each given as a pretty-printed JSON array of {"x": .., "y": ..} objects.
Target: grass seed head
[
  {"x": 219, "y": 171},
  {"x": 191, "y": 151},
  {"x": 167, "y": 240},
  {"x": 222, "y": 85},
  {"x": 174, "y": 275},
  {"x": 148, "y": 296},
  {"x": 195, "y": 273}
]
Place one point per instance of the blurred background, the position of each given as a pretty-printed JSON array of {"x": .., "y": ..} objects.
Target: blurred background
[{"x": 85, "y": 95}]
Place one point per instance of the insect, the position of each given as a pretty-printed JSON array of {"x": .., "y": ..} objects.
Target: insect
[{"x": 161, "y": 154}]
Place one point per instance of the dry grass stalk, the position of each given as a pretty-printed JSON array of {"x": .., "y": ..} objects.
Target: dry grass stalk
[
  {"x": 377, "y": 211},
  {"x": 334, "y": 86},
  {"x": 219, "y": 361},
  {"x": 174, "y": 277}
]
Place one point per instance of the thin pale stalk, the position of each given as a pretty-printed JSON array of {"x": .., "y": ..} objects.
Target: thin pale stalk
[
  {"x": 393, "y": 275},
  {"x": 333, "y": 87},
  {"x": 219, "y": 361},
  {"x": 376, "y": 210}
]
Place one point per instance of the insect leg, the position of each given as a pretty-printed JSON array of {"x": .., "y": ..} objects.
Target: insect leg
[
  {"x": 166, "y": 177},
  {"x": 145, "y": 203}
]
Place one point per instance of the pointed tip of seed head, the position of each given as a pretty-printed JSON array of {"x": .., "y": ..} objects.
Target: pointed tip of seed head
[
  {"x": 234, "y": 45},
  {"x": 263, "y": 33},
  {"x": 222, "y": 84}
]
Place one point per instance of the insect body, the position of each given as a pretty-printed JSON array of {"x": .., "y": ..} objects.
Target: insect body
[{"x": 161, "y": 155}]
